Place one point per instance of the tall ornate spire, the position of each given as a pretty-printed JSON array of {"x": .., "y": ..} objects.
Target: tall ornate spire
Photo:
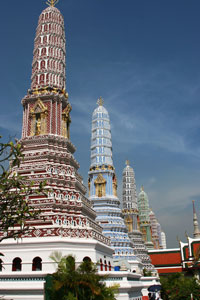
[
  {"x": 155, "y": 229},
  {"x": 102, "y": 183},
  {"x": 47, "y": 150},
  {"x": 196, "y": 232},
  {"x": 67, "y": 220},
  {"x": 46, "y": 106},
  {"x": 130, "y": 214},
  {"x": 143, "y": 207},
  {"x": 129, "y": 192},
  {"x": 48, "y": 67}
]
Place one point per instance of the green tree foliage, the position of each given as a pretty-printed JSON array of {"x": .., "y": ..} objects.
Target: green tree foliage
[
  {"x": 14, "y": 193},
  {"x": 82, "y": 283},
  {"x": 179, "y": 287}
]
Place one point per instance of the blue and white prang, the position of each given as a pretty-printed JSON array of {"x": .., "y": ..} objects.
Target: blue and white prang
[{"x": 102, "y": 184}]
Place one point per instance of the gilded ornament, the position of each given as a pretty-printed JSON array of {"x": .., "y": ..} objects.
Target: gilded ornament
[
  {"x": 44, "y": 91},
  {"x": 66, "y": 120},
  {"x": 129, "y": 223},
  {"x": 39, "y": 107},
  {"x": 89, "y": 187},
  {"x": 100, "y": 101},
  {"x": 100, "y": 179},
  {"x": 38, "y": 115},
  {"x": 38, "y": 127},
  {"x": 52, "y": 2},
  {"x": 100, "y": 184},
  {"x": 36, "y": 92}
]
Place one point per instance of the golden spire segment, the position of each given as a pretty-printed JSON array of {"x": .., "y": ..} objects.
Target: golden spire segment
[
  {"x": 52, "y": 2},
  {"x": 127, "y": 162},
  {"x": 100, "y": 101}
]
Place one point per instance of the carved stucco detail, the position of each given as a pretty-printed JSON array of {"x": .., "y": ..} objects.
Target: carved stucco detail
[
  {"x": 100, "y": 184},
  {"x": 66, "y": 120},
  {"x": 38, "y": 116}
]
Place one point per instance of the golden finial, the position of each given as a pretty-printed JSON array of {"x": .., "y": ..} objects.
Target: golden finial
[
  {"x": 100, "y": 101},
  {"x": 142, "y": 188},
  {"x": 127, "y": 162},
  {"x": 52, "y": 2}
]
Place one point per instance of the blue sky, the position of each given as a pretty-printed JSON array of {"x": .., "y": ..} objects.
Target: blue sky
[{"x": 142, "y": 57}]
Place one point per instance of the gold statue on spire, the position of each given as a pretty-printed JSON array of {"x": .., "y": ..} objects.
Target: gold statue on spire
[
  {"x": 52, "y": 2},
  {"x": 100, "y": 101}
]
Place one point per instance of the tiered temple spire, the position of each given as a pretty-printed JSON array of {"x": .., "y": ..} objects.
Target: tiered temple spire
[
  {"x": 48, "y": 152},
  {"x": 131, "y": 215},
  {"x": 46, "y": 107},
  {"x": 145, "y": 226},
  {"x": 155, "y": 230},
  {"x": 129, "y": 191},
  {"x": 102, "y": 185},
  {"x": 48, "y": 67}
]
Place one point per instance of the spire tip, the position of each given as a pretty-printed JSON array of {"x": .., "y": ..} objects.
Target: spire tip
[
  {"x": 127, "y": 162},
  {"x": 194, "y": 211},
  {"x": 52, "y": 2},
  {"x": 100, "y": 101}
]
